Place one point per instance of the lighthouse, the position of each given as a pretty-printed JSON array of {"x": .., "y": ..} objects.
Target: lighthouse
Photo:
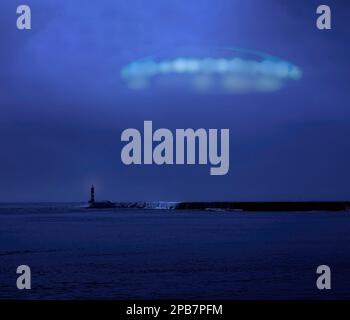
[
  {"x": 99, "y": 204},
  {"x": 92, "y": 194}
]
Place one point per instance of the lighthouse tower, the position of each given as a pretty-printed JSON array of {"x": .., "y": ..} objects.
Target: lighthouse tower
[{"x": 92, "y": 194}]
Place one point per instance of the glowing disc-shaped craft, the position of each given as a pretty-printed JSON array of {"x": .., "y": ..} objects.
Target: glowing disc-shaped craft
[{"x": 228, "y": 70}]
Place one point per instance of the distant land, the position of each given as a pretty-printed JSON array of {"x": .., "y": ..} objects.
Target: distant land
[
  {"x": 231, "y": 206},
  {"x": 225, "y": 206}
]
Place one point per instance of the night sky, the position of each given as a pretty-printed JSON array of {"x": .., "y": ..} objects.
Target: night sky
[{"x": 63, "y": 104}]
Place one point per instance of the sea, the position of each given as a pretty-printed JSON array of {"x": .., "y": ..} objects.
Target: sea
[{"x": 78, "y": 253}]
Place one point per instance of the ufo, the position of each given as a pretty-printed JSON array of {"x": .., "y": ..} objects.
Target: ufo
[{"x": 229, "y": 70}]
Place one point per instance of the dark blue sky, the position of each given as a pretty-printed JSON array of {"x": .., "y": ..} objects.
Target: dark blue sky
[{"x": 64, "y": 106}]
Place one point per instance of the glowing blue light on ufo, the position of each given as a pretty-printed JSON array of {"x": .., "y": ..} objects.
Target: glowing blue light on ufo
[{"x": 234, "y": 74}]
